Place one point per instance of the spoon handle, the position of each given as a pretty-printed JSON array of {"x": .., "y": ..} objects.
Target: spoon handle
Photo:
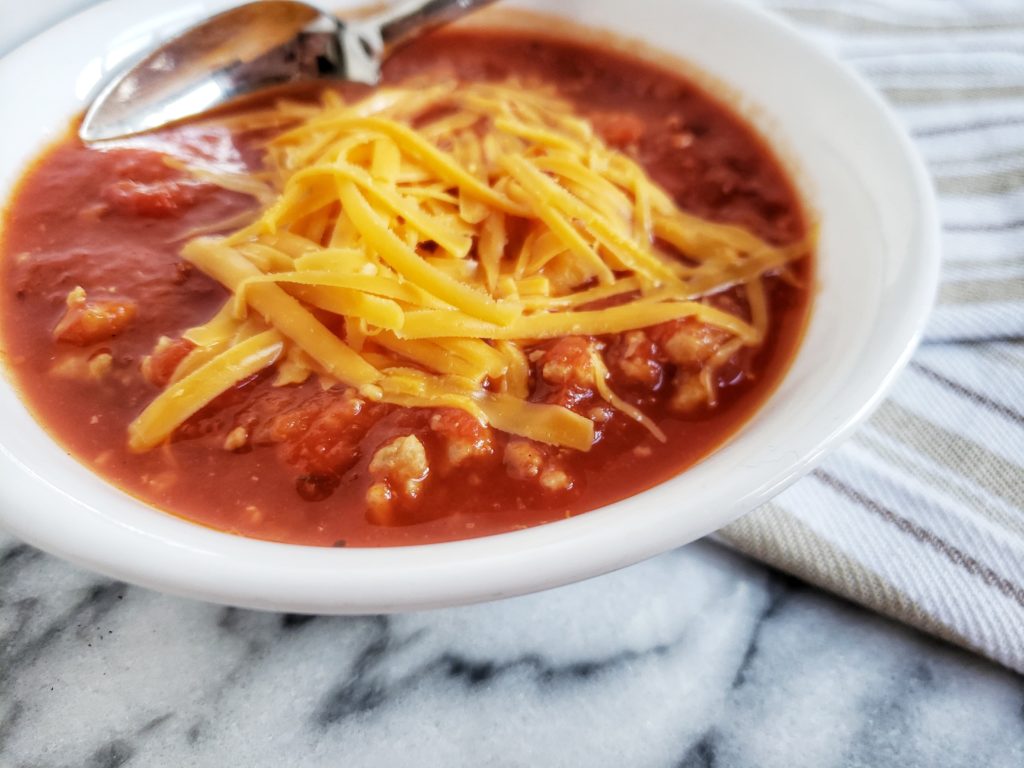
[{"x": 406, "y": 20}]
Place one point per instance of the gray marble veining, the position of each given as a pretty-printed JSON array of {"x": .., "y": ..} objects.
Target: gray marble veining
[{"x": 695, "y": 658}]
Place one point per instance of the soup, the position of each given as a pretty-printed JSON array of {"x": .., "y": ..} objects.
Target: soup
[{"x": 522, "y": 279}]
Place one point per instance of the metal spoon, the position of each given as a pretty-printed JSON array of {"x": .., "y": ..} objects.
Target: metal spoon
[{"x": 251, "y": 47}]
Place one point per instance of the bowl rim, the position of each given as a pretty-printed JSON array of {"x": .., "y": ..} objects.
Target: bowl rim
[{"x": 220, "y": 567}]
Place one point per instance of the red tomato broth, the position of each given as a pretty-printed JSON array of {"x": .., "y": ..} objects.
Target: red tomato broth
[{"x": 112, "y": 221}]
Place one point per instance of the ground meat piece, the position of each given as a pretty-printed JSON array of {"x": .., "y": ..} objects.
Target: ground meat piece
[
  {"x": 635, "y": 357},
  {"x": 100, "y": 364},
  {"x": 88, "y": 322},
  {"x": 159, "y": 367},
  {"x": 555, "y": 480},
  {"x": 567, "y": 361},
  {"x": 402, "y": 463},
  {"x": 529, "y": 461},
  {"x": 688, "y": 342},
  {"x": 465, "y": 437},
  {"x": 83, "y": 368},
  {"x": 237, "y": 439},
  {"x": 619, "y": 129},
  {"x": 565, "y": 372},
  {"x": 688, "y": 393},
  {"x": 523, "y": 459},
  {"x": 399, "y": 468},
  {"x": 379, "y": 498}
]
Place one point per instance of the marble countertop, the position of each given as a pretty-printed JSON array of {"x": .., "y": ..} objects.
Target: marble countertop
[{"x": 697, "y": 658}]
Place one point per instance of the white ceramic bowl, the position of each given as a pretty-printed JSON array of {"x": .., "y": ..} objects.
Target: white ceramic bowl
[{"x": 877, "y": 270}]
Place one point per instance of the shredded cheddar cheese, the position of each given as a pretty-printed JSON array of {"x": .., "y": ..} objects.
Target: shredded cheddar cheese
[
  {"x": 183, "y": 398},
  {"x": 446, "y": 230}
]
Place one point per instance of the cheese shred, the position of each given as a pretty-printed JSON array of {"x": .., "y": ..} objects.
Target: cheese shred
[{"x": 416, "y": 244}]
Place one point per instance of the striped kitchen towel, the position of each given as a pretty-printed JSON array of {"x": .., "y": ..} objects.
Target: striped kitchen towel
[{"x": 921, "y": 514}]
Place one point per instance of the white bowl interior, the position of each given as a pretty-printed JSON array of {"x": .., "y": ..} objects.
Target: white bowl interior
[{"x": 877, "y": 272}]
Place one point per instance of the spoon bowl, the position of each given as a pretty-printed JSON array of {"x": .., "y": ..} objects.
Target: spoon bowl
[{"x": 252, "y": 47}]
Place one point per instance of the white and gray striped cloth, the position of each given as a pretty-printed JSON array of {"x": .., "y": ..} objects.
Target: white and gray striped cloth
[{"x": 921, "y": 514}]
